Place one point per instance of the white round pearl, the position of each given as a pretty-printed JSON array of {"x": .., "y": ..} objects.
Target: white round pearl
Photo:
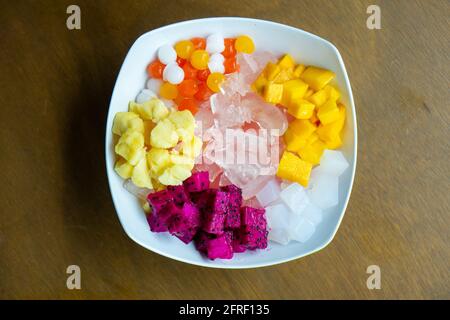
[
  {"x": 217, "y": 57},
  {"x": 167, "y": 54},
  {"x": 215, "y": 43},
  {"x": 173, "y": 73},
  {"x": 145, "y": 95},
  {"x": 216, "y": 66},
  {"x": 154, "y": 84}
]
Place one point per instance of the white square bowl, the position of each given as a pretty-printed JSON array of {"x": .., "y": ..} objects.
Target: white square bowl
[{"x": 278, "y": 38}]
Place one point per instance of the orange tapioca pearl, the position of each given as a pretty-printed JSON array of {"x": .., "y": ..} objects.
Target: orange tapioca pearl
[
  {"x": 244, "y": 44},
  {"x": 199, "y": 59},
  {"x": 229, "y": 50},
  {"x": 168, "y": 91},
  {"x": 155, "y": 69},
  {"x": 230, "y": 65},
  {"x": 203, "y": 75},
  {"x": 203, "y": 93},
  {"x": 214, "y": 81},
  {"x": 189, "y": 71},
  {"x": 199, "y": 43},
  {"x": 188, "y": 88}
]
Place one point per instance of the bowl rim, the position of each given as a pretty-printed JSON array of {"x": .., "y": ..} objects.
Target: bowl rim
[{"x": 355, "y": 141}]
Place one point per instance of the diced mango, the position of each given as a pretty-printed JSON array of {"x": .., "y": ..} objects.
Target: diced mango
[
  {"x": 123, "y": 168},
  {"x": 312, "y": 138},
  {"x": 284, "y": 75},
  {"x": 317, "y": 78},
  {"x": 331, "y": 131},
  {"x": 164, "y": 135},
  {"x": 293, "y": 90},
  {"x": 273, "y": 92},
  {"x": 158, "y": 160},
  {"x": 301, "y": 109},
  {"x": 271, "y": 71},
  {"x": 299, "y": 70},
  {"x": 312, "y": 152},
  {"x": 127, "y": 120},
  {"x": 141, "y": 175},
  {"x": 314, "y": 118},
  {"x": 131, "y": 146},
  {"x": 319, "y": 98},
  {"x": 328, "y": 112},
  {"x": 286, "y": 62},
  {"x": 297, "y": 134},
  {"x": 332, "y": 92},
  {"x": 259, "y": 83},
  {"x": 293, "y": 168},
  {"x": 308, "y": 93},
  {"x": 335, "y": 143}
]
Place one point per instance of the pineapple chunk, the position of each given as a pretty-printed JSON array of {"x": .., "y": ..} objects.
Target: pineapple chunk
[
  {"x": 286, "y": 62},
  {"x": 273, "y": 92},
  {"x": 164, "y": 135},
  {"x": 158, "y": 160},
  {"x": 160, "y": 111},
  {"x": 148, "y": 127},
  {"x": 153, "y": 109},
  {"x": 328, "y": 112},
  {"x": 123, "y": 168},
  {"x": 146, "y": 207},
  {"x": 127, "y": 120},
  {"x": 141, "y": 175},
  {"x": 192, "y": 148},
  {"x": 317, "y": 78},
  {"x": 131, "y": 146},
  {"x": 174, "y": 175},
  {"x": 184, "y": 123},
  {"x": 178, "y": 159}
]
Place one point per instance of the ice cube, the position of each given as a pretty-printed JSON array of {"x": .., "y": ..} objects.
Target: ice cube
[
  {"x": 313, "y": 213},
  {"x": 269, "y": 193},
  {"x": 278, "y": 217},
  {"x": 323, "y": 189},
  {"x": 301, "y": 229},
  {"x": 333, "y": 162},
  {"x": 294, "y": 196}
]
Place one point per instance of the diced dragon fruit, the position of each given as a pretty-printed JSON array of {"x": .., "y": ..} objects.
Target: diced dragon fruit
[
  {"x": 220, "y": 247},
  {"x": 253, "y": 217},
  {"x": 201, "y": 239},
  {"x": 237, "y": 244},
  {"x": 155, "y": 223},
  {"x": 185, "y": 222},
  {"x": 233, "y": 217},
  {"x": 198, "y": 181},
  {"x": 179, "y": 194},
  {"x": 159, "y": 200},
  {"x": 215, "y": 215},
  {"x": 254, "y": 237}
]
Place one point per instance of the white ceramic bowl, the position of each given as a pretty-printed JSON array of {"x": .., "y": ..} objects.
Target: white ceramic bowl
[{"x": 304, "y": 47}]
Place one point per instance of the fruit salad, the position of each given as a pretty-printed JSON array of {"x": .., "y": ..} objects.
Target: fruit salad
[{"x": 230, "y": 147}]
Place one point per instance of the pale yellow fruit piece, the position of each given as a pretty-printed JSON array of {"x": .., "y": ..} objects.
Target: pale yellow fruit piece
[
  {"x": 164, "y": 135},
  {"x": 146, "y": 207},
  {"x": 192, "y": 148},
  {"x": 160, "y": 111},
  {"x": 144, "y": 110},
  {"x": 131, "y": 146},
  {"x": 141, "y": 175},
  {"x": 182, "y": 160},
  {"x": 124, "y": 121},
  {"x": 184, "y": 123},
  {"x": 123, "y": 168},
  {"x": 158, "y": 160},
  {"x": 174, "y": 175},
  {"x": 148, "y": 127}
]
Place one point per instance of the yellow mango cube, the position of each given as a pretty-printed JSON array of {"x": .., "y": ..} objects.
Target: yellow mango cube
[
  {"x": 312, "y": 152},
  {"x": 312, "y": 138},
  {"x": 293, "y": 143},
  {"x": 164, "y": 135},
  {"x": 331, "y": 131},
  {"x": 328, "y": 112},
  {"x": 293, "y": 90},
  {"x": 319, "y": 98},
  {"x": 301, "y": 109},
  {"x": 308, "y": 93},
  {"x": 123, "y": 168},
  {"x": 259, "y": 83},
  {"x": 284, "y": 75},
  {"x": 124, "y": 121},
  {"x": 297, "y": 134},
  {"x": 317, "y": 78},
  {"x": 299, "y": 70},
  {"x": 271, "y": 71},
  {"x": 293, "y": 168},
  {"x": 332, "y": 93},
  {"x": 286, "y": 62},
  {"x": 335, "y": 143},
  {"x": 314, "y": 119},
  {"x": 273, "y": 92}
]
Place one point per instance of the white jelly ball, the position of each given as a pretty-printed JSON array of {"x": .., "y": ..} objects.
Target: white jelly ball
[
  {"x": 145, "y": 95},
  {"x": 154, "y": 84},
  {"x": 215, "y": 43},
  {"x": 173, "y": 73},
  {"x": 216, "y": 66},
  {"x": 167, "y": 54},
  {"x": 217, "y": 57}
]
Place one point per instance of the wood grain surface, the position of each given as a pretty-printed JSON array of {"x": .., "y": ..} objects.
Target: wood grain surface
[{"x": 56, "y": 210}]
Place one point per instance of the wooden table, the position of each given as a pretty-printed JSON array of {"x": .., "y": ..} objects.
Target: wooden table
[{"x": 56, "y": 209}]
